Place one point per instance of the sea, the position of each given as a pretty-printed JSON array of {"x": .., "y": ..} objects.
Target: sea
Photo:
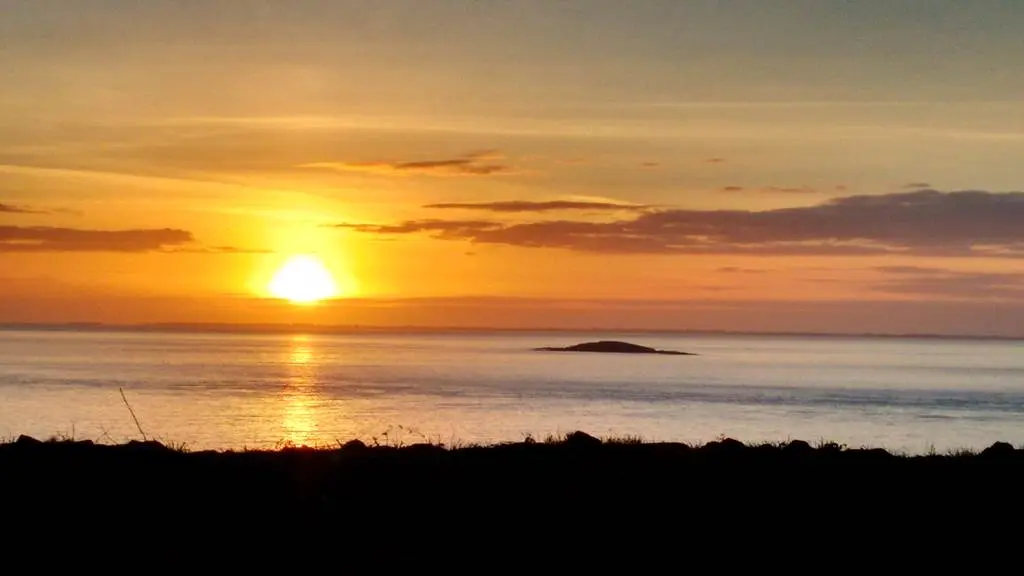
[{"x": 216, "y": 390}]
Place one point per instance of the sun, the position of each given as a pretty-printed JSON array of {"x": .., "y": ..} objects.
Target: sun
[{"x": 303, "y": 280}]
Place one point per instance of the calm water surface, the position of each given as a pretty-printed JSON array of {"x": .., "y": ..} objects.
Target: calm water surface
[{"x": 234, "y": 391}]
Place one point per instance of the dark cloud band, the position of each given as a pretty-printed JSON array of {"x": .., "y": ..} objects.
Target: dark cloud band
[
  {"x": 922, "y": 222},
  {"x": 48, "y": 239}
]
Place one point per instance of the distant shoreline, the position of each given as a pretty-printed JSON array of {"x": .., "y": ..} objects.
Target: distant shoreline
[{"x": 173, "y": 328}]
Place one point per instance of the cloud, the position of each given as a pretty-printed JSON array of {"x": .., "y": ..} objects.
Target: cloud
[
  {"x": 47, "y": 239},
  {"x": 546, "y": 206},
  {"x": 12, "y": 209},
  {"x": 790, "y": 190},
  {"x": 770, "y": 190},
  {"x": 572, "y": 161},
  {"x": 453, "y": 228},
  {"x": 715, "y": 160},
  {"x": 917, "y": 185},
  {"x": 939, "y": 282},
  {"x": 649, "y": 164},
  {"x": 738, "y": 270},
  {"x": 215, "y": 250},
  {"x": 911, "y": 270},
  {"x": 16, "y": 209},
  {"x": 473, "y": 164},
  {"x": 923, "y": 222}
]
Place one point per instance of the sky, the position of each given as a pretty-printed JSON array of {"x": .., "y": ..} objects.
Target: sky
[{"x": 798, "y": 165}]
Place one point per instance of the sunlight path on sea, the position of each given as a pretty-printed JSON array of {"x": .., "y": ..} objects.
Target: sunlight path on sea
[{"x": 264, "y": 391}]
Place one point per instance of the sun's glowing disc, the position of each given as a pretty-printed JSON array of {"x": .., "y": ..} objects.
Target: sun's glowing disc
[{"x": 303, "y": 280}]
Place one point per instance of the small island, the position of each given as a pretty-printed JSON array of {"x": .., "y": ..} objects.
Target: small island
[{"x": 613, "y": 347}]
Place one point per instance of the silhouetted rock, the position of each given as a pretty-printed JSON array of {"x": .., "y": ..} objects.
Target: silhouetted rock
[
  {"x": 798, "y": 447},
  {"x": 726, "y": 446},
  {"x": 146, "y": 446},
  {"x": 999, "y": 449},
  {"x": 580, "y": 439},
  {"x": 612, "y": 347},
  {"x": 868, "y": 456},
  {"x": 353, "y": 446},
  {"x": 424, "y": 448},
  {"x": 24, "y": 440}
]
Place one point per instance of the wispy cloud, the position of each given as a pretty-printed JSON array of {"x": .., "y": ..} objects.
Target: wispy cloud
[
  {"x": 939, "y": 282},
  {"x": 13, "y": 209},
  {"x": 474, "y": 164},
  {"x": 770, "y": 190},
  {"x": 914, "y": 270},
  {"x": 575, "y": 161},
  {"x": 455, "y": 228},
  {"x": 19, "y": 209},
  {"x": 738, "y": 270},
  {"x": 917, "y": 185},
  {"x": 50, "y": 239},
  {"x": 544, "y": 206},
  {"x": 924, "y": 222},
  {"x": 215, "y": 250},
  {"x": 790, "y": 189}
]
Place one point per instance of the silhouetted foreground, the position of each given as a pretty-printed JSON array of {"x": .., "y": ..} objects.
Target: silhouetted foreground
[{"x": 725, "y": 482}]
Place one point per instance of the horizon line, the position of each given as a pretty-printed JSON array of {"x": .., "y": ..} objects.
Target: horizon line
[{"x": 286, "y": 328}]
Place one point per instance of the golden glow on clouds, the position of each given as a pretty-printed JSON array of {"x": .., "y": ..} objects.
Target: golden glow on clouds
[{"x": 169, "y": 125}]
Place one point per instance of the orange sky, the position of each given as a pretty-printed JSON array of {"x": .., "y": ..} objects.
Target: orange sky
[{"x": 520, "y": 165}]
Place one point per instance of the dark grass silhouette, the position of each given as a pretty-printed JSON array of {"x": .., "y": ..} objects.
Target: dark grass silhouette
[{"x": 561, "y": 480}]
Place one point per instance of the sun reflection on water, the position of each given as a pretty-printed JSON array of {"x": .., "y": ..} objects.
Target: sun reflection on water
[
  {"x": 301, "y": 352},
  {"x": 300, "y": 394}
]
